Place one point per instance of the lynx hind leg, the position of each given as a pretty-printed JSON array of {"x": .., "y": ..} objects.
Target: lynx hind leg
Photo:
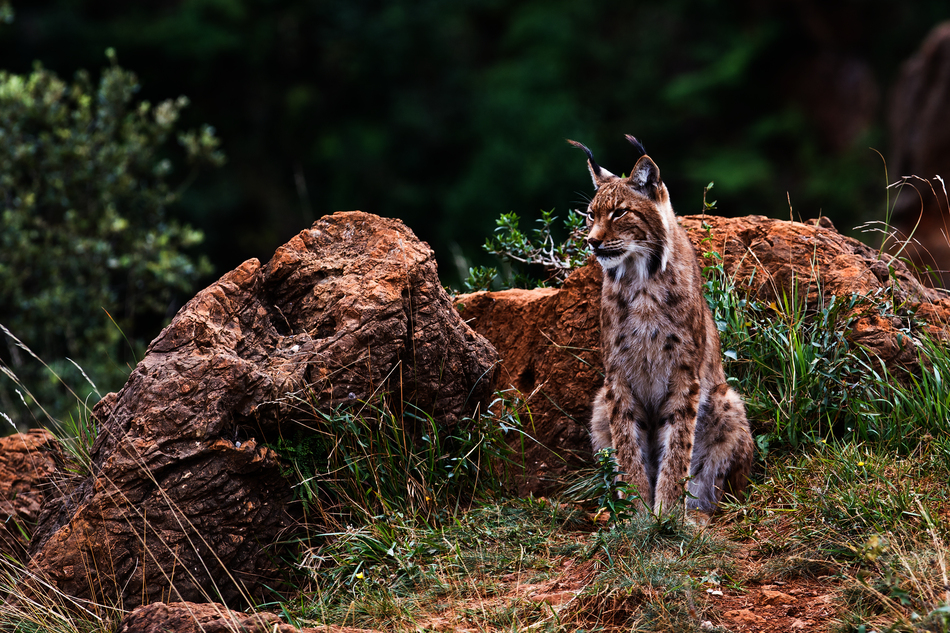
[{"x": 722, "y": 450}]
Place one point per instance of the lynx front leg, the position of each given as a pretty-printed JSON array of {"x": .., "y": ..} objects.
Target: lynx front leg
[
  {"x": 630, "y": 443},
  {"x": 600, "y": 423},
  {"x": 678, "y": 422},
  {"x": 614, "y": 424}
]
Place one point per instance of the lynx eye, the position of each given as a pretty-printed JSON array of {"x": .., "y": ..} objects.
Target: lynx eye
[
  {"x": 616, "y": 214},
  {"x": 589, "y": 215}
]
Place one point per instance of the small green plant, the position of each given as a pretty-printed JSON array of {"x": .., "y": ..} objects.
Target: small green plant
[
  {"x": 605, "y": 485},
  {"x": 542, "y": 250},
  {"x": 480, "y": 278}
]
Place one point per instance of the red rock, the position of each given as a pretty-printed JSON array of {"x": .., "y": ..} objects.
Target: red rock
[
  {"x": 27, "y": 467},
  {"x": 745, "y": 616},
  {"x": 549, "y": 340},
  {"x": 776, "y": 597},
  {"x": 184, "y": 500}
]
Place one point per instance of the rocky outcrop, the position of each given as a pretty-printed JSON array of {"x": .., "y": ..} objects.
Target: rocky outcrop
[
  {"x": 189, "y": 617},
  {"x": 775, "y": 258},
  {"x": 549, "y": 339},
  {"x": 27, "y": 468},
  {"x": 920, "y": 140},
  {"x": 184, "y": 501}
]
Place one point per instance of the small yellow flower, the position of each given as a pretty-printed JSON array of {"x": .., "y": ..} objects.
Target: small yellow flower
[
  {"x": 860, "y": 463},
  {"x": 360, "y": 576}
]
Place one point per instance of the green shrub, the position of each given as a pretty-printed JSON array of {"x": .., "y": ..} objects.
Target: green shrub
[
  {"x": 88, "y": 248},
  {"x": 523, "y": 256}
]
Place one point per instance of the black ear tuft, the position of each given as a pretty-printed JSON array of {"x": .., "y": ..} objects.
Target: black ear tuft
[
  {"x": 637, "y": 144},
  {"x": 594, "y": 167},
  {"x": 597, "y": 173}
]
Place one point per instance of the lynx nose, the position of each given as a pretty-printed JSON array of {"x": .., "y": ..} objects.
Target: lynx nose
[{"x": 594, "y": 242}]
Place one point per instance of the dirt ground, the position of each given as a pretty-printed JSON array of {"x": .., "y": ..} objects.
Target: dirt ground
[{"x": 800, "y": 604}]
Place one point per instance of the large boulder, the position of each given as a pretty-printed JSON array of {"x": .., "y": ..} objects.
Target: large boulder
[
  {"x": 549, "y": 339},
  {"x": 920, "y": 141},
  {"x": 27, "y": 478},
  {"x": 184, "y": 501}
]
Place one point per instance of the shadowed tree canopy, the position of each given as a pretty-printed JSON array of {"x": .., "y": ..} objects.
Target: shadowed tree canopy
[{"x": 446, "y": 114}]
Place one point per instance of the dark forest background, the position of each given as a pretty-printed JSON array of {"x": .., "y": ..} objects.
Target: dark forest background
[{"x": 448, "y": 113}]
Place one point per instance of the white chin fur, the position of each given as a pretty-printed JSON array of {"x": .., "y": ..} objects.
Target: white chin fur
[
  {"x": 610, "y": 263},
  {"x": 634, "y": 256}
]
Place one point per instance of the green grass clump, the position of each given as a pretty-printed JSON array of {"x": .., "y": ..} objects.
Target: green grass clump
[
  {"x": 804, "y": 379},
  {"x": 652, "y": 575},
  {"x": 363, "y": 463}
]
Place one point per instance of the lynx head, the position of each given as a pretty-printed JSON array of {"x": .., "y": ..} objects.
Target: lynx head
[{"x": 629, "y": 219}]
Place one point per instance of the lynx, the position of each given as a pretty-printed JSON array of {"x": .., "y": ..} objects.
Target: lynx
[{"x": 665, "y": 406}]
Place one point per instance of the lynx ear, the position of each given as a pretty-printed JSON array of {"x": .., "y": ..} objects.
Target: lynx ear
[
  {"x": 645, "y": 176},
  {"x": 597, "y": 173}
]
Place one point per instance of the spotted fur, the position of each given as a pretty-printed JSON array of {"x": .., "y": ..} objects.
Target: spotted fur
[{"x": 665, "y": 406}]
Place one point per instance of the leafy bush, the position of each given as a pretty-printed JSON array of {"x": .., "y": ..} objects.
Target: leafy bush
[
  {"x": 88, "y": 248},
  {"x": 519, "y": 253}
]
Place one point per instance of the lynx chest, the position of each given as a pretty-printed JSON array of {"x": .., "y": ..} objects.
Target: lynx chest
[{"x": 646, "y": 331}]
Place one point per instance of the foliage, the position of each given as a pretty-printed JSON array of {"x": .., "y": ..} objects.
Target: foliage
[
  {"x": 613, "y": 495},
  {"x": 89, "y": 249},
  {"x": 518, "y": 252},
  {"x": 805, "y": 381},
  {"x": 443, "y": 114},
  {"x": 364, "y": 462}
]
